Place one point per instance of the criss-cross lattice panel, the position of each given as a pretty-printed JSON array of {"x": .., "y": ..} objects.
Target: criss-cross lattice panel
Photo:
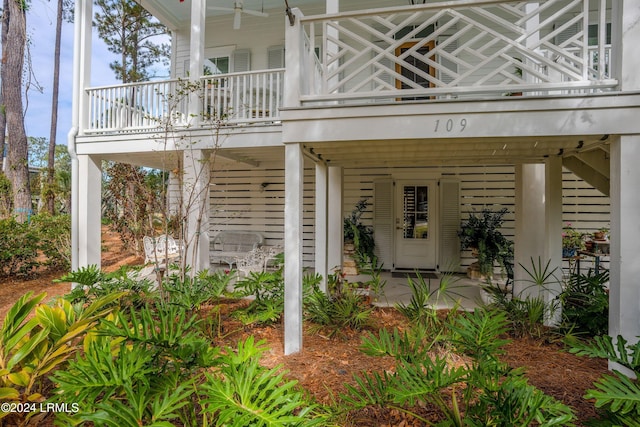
[{"x": 433, "y": 50}]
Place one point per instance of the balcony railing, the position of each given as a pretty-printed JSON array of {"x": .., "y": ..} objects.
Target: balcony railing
[
  {"x": 468, "y": 48},
  {"x": 226, "y": 99}
]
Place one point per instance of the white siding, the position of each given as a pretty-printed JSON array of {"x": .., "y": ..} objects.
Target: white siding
[{"x": 239, "y": 202}]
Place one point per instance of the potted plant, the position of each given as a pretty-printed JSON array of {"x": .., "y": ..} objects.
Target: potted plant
[
  {"x": 358, "y": 239},
  {"x": 601, "y": 234},
  {"x": 572, "y": 241},
  {"x": 481, "y": 233}
]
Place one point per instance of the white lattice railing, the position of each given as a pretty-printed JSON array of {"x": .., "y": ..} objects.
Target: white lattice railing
[
  {"x": 252, "y": 97},
  {"x": 457, "y": 49}
]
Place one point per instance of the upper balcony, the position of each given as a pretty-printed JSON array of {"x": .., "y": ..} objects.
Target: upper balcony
[
  {"x": 453, "y": 50},
  {"x": 466, "y": 49}
]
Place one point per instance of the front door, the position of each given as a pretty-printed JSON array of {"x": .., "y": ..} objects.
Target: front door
[{"x": 415, "y": 240}]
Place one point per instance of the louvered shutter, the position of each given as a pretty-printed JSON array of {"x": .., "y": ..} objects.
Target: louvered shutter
[
  {"x": 275, "y": 57},
  {"x": 449, "y": 253},
  {"x": 383, "y": 221},
  {"x": 241, "y": 60}
]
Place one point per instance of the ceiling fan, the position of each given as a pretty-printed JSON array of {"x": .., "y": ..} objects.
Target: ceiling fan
[{"x": 238, "y": 9}]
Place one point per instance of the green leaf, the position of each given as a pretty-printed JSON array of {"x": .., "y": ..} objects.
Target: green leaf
[
  {"x": 9, "y": 393},
  {"x": 618, "y": 393},
  {"x": 26, "y": 349}
]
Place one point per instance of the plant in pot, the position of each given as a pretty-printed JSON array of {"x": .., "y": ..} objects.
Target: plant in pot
[
  {"x": 601, "y": 234},
  {"x": 358, "y": 238},
  {"x": 572, "y": 241},
  {"x": 481, "y": 233}
]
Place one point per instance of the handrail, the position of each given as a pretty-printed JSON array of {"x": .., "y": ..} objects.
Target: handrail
[{"x": 232, "y": 98}]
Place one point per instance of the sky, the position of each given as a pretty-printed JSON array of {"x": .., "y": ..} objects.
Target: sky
[{"x": 41, "y": 27}]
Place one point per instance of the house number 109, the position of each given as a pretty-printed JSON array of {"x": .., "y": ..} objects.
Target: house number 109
[{"x": 449, "y": 125}]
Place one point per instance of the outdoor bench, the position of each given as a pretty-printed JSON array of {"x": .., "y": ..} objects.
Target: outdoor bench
[{"x": 227, "y": 246}]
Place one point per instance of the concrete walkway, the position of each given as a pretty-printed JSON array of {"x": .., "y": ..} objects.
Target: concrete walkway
[{"x": 459, "y": 288}]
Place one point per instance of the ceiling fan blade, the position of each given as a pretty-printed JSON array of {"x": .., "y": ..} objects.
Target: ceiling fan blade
[
  {"x": 225, "y": 9},
  {"x": 236, "y": 19},
  {"x": 255, "y": 13}
]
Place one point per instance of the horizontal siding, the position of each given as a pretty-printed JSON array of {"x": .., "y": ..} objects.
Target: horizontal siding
[{"x": 238, "y": 201}]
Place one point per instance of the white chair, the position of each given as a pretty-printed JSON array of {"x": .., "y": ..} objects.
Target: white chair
[
  {"x": 253, "y": 262},
  {"x": 160, "y": 249}
]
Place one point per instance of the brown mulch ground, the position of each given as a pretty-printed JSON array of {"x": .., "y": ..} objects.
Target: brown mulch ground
[{"x": 327, "y": 364}]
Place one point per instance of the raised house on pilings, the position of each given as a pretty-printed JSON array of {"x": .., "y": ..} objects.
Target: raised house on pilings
[{"x": 428, "y": 111}]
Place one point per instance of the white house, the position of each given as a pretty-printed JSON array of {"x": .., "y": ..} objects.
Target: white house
[{"x": 428, "y": 111}]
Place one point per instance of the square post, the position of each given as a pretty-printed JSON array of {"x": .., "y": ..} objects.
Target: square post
[{"x": 293, "y": 200}]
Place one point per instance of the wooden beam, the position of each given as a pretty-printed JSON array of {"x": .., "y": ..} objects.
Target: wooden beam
[{"x": 590, "y": 175}]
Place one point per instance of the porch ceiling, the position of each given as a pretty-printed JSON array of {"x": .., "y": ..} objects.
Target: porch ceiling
[
  {"x": 409, "y": 152},
  {"x": 429, "y": 152},
  {"x": 173, "y": 12}
]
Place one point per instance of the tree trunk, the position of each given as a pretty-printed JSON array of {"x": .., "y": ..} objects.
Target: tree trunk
[
  {"x": 12, "y": 65},
  {"x": 50, "y": 193},
  {"x": 3, "y": 117}
]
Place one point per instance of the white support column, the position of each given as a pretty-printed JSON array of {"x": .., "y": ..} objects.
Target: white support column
[
  {"x": 195, "y": 194},
  {"x": 293, "y": 202},
  {"x": 624, "y": 293},
  {"x": 294, "y": 64},
  {"x": 83, "y": 45},
  {"x": 89, "y": 211},
  {"x": 625, "y": 35},
  {"x": 321, "y": 237},
  {"x": 81, "y": 77},
  {"x": 335, "y": 220},
  {"x": 196, "y": 54},
  {"x": 530, "y": 221},
  {"x": 553, "y": 233}
]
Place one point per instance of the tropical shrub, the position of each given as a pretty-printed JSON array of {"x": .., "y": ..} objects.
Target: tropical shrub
[
  {"x": 617, "y": 395},
  {"x": 138, "y": 368},
  {"x": 31, "y": 348},
  {"x": 54, "y": 239},
  {"x": 267, "y": 288},
  {"x": 341, "y": 307},
  {"x": 92, "y": 283},
  {"x": 421, "y": 310},
  {"x": 484, "y": 392},
  {"x": 585, "y": 303},
  {"x": 241, "y": 392},
  {"x": 528, "y": 311},
  {"x": 191, "y": 292},
  {"x": 18, "y": 248}
]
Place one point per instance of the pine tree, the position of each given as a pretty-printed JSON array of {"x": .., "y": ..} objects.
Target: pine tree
[
  {"x": 13, "y": 49},
  {"x": 131, "y": 32}
]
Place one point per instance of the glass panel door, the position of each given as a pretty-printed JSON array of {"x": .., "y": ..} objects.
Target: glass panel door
[
  {"x": 415, "y": 238},
  {"x": 416, "y": 212}
]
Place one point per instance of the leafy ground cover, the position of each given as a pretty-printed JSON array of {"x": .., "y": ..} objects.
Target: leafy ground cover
[{"x": 327, "y": 366}]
